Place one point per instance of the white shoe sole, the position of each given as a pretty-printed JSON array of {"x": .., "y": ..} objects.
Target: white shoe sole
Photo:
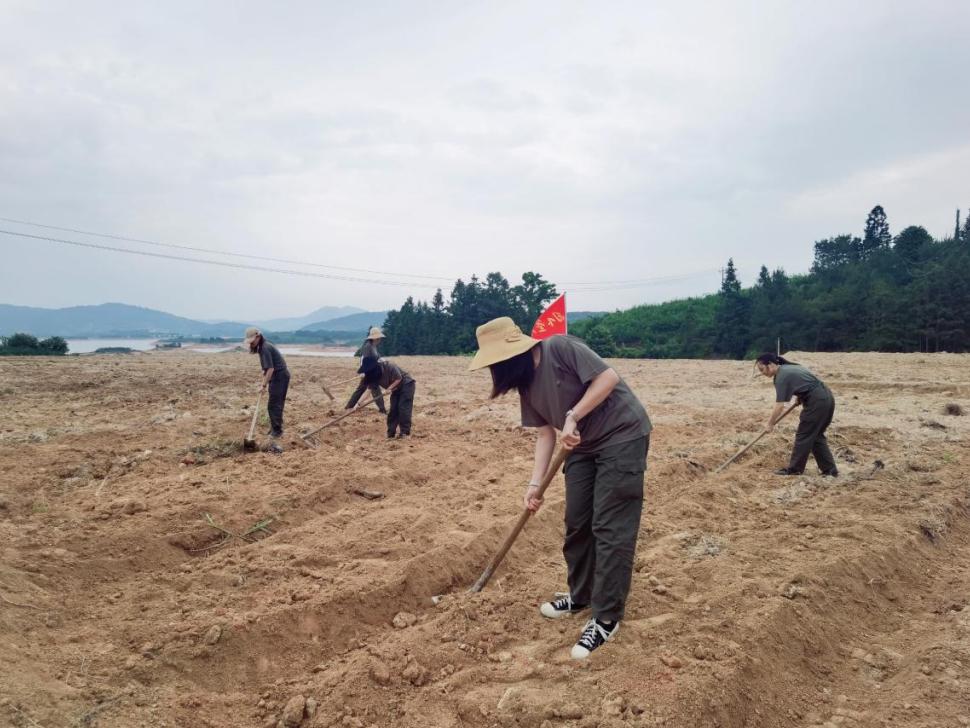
[
  {"x": 579, "y": 652},
  {"x": 547, "y": 610}
]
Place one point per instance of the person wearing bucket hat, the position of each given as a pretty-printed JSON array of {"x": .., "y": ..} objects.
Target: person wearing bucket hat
[
  {"x": 399, "y": 383},
  {"x": 564, "y": 385},
  {"x": 369, "y": 348},
  {"x": 276, "y": 377}
]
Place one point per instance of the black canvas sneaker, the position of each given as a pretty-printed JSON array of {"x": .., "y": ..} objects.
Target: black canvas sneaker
[
  {"x": 595, "y": 633},
  {"x": 561, "y": 606}
]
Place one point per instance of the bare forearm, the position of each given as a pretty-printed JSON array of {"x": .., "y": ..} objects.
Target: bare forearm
[
  {"x": 267, "y": 375},
  {"x": 776, "y": 413},
  {"x": 545, "y": 444}
]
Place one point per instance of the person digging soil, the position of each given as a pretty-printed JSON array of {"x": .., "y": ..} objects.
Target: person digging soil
[
  {"x": 563, "y": 384},
  {"x": 391, "y": 377},
  {"x": 369, "y": 348},
  {"x": 276, "y": 377},
  {"x": 818, "y": 407}
]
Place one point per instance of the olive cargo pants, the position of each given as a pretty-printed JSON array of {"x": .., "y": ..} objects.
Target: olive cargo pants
[
  {"x": 402, "y": 404},
  {"x": 818, "y": 408},
  {"x": 278, "y": 386},
  {"x": 604, "y": 500}
]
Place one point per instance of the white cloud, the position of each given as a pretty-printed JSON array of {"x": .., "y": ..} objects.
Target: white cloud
[{"x": 633, "y": 140}]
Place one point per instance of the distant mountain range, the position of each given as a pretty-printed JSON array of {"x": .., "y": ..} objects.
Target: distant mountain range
[
  {"x": 119, "y": 319},
  {"x": 327, "y": 313},
  {"x": 362, "y": 321},
  {"x": 122, "y": 320}
]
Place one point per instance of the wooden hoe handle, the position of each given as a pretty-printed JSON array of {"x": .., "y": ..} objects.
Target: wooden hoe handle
[
  {"x": 554, "y": 467},
  {"x": 252, "y": 425},
  {"x": 337, "y": 419},
  {"x": 747, "y": 447}
]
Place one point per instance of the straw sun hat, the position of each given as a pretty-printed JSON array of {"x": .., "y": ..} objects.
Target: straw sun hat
[
  {"x": 251, "y": 333},
  {"x": 498, "y": 340},
  {"x": 375, "y": 333}
]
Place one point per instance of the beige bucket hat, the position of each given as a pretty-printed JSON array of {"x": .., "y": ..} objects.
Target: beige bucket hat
[
  {"x": 375, "y": 333},
  {"x": 498, "y": 340},
  {"x": 251, "y": 333}
]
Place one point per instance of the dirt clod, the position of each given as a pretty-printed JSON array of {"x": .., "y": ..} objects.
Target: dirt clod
[
  {"x": 672, "y": 661},
  {"x": 293, "y": 711},
  {"x": 213, "y": 635},
  {"x": 403, "y": 620}
]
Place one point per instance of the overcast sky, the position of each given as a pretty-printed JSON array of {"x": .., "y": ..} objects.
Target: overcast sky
[{"x": 588, "y": 142}]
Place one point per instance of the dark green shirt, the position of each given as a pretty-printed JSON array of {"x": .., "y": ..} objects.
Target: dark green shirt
[
  {"x": 793, "y": 379},
  {"x": 390, "y": 373},
  {"x": 269, "y": 356},
  {"x": 566, "y": 367}
]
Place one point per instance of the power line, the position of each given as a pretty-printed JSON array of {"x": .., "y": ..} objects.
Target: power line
[
  {"x": 222, "y": 263},
  {"x": 579, "y": 286},
  {"x": 196, "y": 249}
]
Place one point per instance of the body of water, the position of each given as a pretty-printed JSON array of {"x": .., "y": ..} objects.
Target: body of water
[{"x": 87, "y": 346}]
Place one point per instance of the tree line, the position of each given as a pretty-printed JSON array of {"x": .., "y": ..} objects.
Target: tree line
[
  {"x": 27, "y": 345},
  {"x": 906, "y": 293},
  {"x": 448, "y": 327}
]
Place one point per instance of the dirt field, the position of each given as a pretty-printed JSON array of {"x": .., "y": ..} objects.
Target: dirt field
[{"x": 757, "y": 601}]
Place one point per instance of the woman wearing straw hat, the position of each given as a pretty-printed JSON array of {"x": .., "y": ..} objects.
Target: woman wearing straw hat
[
  {"x": 563, "y": 385},
  {"x": 276, "y": 377},
  {"x": 369, "y": 349}
]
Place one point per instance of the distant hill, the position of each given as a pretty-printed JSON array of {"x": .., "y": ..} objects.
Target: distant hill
[
  {"x": 358, "y": 321},
  {"x": 106, "y": 319},
  {"x": 119, "y": 319},
  {"x": 583, "y": 315},
  {"x": 321, "y": 315}
]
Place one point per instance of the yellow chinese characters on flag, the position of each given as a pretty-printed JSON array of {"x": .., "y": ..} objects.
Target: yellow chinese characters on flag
[{"x": 552, "y": 321}]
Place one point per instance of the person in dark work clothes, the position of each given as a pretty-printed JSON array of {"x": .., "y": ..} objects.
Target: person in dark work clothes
[
  {"x": 562, "y": 384},
  {"x": 401, "y": 386},
  {"x": 369, "y": 348},
  {"x": 276, "y": 377},
  {"x": 818, "y": 407}
]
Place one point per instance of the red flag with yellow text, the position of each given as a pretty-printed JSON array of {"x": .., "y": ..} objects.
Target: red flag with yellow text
[{"x": 552, "y": 321}]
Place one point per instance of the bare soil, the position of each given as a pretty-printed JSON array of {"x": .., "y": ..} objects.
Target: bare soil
[{"x": 152, "y": 574}]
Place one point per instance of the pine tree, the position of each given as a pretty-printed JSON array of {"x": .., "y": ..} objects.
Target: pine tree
[
  {"x": 732, "y": 317},
  {"x": 965, "y": 233},
  {"x": 764, "y": 278},
  {"x": 877, "y": 236}
]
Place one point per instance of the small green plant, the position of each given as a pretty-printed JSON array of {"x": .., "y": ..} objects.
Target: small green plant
[
  {"x": 949, "y": 458},
  {"x": 39, "y": 507},
  {"x": 213, "y": 450}
]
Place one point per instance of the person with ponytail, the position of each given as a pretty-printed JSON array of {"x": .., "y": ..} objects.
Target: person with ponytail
[{"x": 818, "y": 407}]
